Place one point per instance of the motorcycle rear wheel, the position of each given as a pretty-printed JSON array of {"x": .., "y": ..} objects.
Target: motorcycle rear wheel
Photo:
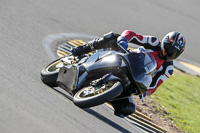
[
  {"x": 49, "y": 74},
  {"x": 99, "y": 97}
]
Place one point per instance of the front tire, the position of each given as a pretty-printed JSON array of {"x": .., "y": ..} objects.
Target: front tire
[{"x": 85, "y": 101}]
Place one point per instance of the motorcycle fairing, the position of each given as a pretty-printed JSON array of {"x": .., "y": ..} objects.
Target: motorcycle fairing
[
  {"x": 95, "y": 65},
  {"x": 102, "y": 59},
  {"x": 136, "y": 65},
  {"x": 68, "y": 78},
  {"x": 98, "y": 68},
  {"x": 97, "y": 56}
]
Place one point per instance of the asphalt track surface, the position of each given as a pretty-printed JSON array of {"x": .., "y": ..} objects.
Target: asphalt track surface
[{"x": 26, "y": 104}]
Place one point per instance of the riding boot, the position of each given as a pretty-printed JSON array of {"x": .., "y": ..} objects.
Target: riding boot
[
  {"x": 86, "y": 48},
  {"x": 108, "y": 40},
  {"x": 124, "y": 107}
]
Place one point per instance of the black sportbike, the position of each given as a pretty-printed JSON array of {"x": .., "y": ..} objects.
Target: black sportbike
[{"x": 104, "y": 76}]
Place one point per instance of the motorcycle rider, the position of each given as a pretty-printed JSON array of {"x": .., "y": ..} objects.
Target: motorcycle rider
[{"x": 164, "y": 52}]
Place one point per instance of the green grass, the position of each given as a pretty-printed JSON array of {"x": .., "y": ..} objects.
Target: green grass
[{"x": 180, "y": 95}]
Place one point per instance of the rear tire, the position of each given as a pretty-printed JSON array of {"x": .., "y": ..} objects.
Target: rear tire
[
  {"x": 49, "y": 74},
  {"x": 105, "y": 96}
]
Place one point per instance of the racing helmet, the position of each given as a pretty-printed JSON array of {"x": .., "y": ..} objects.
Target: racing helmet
[{"x": 172, "y": 45}]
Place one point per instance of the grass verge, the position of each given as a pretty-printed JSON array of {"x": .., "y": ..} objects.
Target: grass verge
[{"x": 179, "y": 95}]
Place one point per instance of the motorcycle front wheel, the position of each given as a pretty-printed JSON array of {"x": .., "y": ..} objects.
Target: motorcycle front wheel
[{"x": 95, "y": 95}]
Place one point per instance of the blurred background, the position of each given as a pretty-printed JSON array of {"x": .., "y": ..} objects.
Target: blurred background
[{"x": 28, "y": 20}]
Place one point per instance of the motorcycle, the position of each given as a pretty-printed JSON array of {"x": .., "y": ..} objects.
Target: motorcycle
[{"x": 104, "y": 76}]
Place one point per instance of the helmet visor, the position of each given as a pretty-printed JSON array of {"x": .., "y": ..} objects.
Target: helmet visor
[{"x": 171, "y": 53}]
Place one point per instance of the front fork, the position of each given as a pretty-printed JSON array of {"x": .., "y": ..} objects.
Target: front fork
[{"x": 126, "y": 83}]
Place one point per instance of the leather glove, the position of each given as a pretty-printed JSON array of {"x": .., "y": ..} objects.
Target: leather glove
[{"x": 121, "y": 40}]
